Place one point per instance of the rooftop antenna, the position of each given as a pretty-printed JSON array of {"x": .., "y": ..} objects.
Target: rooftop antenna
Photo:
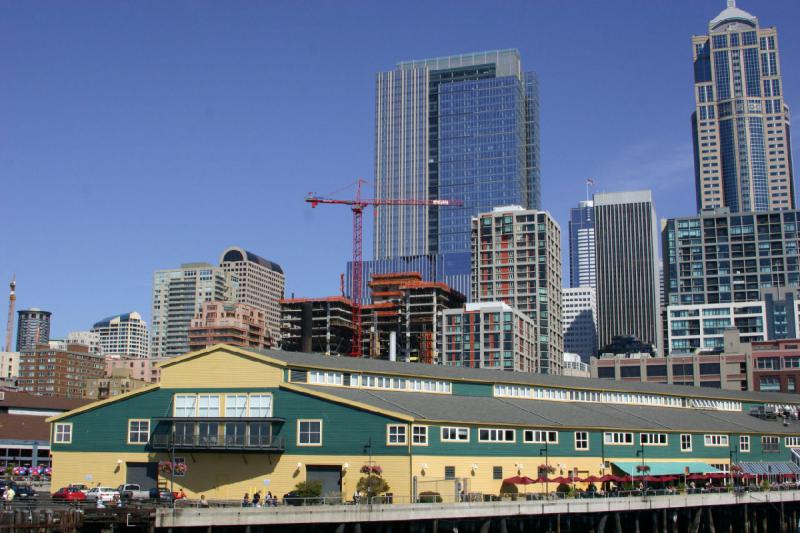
[
  {"x": 589, "y": 183},
  {"x": 12, "y": 298},
  {"x": 731, "y": 3}
]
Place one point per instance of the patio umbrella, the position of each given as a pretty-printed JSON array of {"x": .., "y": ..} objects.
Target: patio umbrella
[
  {"x": 608, "y": 477},
  {"x": 696, "y": 477},
  {"x": 561, "y": 479},
  {"x": 519, "y": 480},
  {"x": 652, "y": 479},
  {"x": 748, "y": 476},
  {"x": 717, "y": 475},
  {"x": 592, "y": 479},
  {"x": 667, "y": 479}
]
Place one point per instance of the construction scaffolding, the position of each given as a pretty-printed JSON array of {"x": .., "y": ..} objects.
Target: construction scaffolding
[{"x": 322, "y": 325}]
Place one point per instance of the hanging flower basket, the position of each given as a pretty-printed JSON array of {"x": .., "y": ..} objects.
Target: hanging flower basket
[
  {"x": 374, "y": 469},
  {"x": 168, "y": 467},
  {"x": 547, "y": 469}
]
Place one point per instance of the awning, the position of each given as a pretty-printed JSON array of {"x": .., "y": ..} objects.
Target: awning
[
  {"x": 667, "y": 468},
  {"x": 766, "y": 469}
]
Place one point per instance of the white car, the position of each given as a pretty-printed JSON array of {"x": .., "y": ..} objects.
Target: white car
[{"x": 104, "y": 494}]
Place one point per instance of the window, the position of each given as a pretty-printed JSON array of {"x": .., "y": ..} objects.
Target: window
[
  {"x": 396, "y": 435},
  {"x": 309, "y": 432},
  {"x": 260, "y": 405},
  {"x": 581, "y": 440},
  {"x": 535, "y": 436},
  {"x": 138, "y": 431},
  {"x": 770, "y": 444},
  {"x": 653, "y": 439},
  {"x": 449, "y": 472},
  {"x": 208, "y": 405},
  {"x": 686, "y": 442},
  {"x": 497, "y": 472},
  {"x": 744, "y": 443},
  {"x": 185, "y": 405},
  {"x": 615, "y": 437},
  {"x": 63, "y": 433},
  {"x": 715, "y": 440},
  {"x": 792, "y": 442},
  {"x": 236, "y": 405},
  {"x": 454, "y": 434},
  {"x": 419, "y": 435},
  {"x": 496, "y": 435}
]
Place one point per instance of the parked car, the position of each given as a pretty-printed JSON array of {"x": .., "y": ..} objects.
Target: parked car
[
  {"x": 132, "y": 491},
  {"x": 104, "y": 494},
  {"x": 161, "y": 494},
  {"x": 20, "y": 491},
  {"x": 70, "y": 494},
  {"x": 80, "y": 486}
]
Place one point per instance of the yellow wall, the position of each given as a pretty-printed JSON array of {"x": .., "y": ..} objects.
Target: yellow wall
[
  {"x": 207, "y": 370},
  {"x": 73, "y": 467}
]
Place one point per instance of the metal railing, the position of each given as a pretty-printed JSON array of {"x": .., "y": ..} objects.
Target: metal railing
[{"x": 214, "y": 442}]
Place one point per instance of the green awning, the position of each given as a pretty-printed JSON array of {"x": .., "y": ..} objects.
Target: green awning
[{"x": 666, "y": 468}]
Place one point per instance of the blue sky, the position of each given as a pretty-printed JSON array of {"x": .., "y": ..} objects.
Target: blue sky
[{"x": 137, "y": 135}]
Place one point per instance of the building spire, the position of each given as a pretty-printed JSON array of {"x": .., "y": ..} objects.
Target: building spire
[{"x": 731, "y": 3}]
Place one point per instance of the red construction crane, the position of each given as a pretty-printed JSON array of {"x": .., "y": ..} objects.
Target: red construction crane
[{"x": 357, "y": 205}]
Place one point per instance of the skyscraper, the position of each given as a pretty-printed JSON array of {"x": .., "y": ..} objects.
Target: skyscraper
[
  {"x": 123, "y": 335},
  {"x": 580, "y": 321},
  {"x": 581, "y": 245},
  {"x": 33, "y": 327},
  {"x": 626, "y": 241},
  {"x": 516, "y": 259},
  {"x": 461, "y": 127},
  {"x": 178, "y": 295},
  {"x": 742, "y": 153},
  {"x": 260, "y": 284}
]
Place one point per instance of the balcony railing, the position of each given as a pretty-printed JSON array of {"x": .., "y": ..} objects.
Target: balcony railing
[{"x": 214, "y": 442}]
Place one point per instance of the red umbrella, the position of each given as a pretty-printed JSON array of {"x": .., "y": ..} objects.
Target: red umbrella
[
  {"x": 696, "y": 477},
  {"x": 609, "y": 477},
  {"x": 519, "y": 480},
  {"x": 625, "y": 479},
  {"x": 652, "y": 479},
  {"x": 666, "y": 479},
  {"x": 561, "y": 479},
  {"x": 593, "y": 479},
  {"x": 717, "y": 475},
  {"x": 748, "y": 476}
]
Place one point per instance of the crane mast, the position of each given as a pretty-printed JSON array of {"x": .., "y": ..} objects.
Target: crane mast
[{"x": 12, "y": 298}]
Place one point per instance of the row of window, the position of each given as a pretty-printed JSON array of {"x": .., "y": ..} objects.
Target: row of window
[
  {"x": 629, "y": 398},
  {"x": 369, "y": 381},
  {"x": 236, "y": 405}
]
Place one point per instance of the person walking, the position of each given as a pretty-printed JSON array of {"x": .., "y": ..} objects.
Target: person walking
[
  {"x": 8, "y": 497},
  {"x": 246, "y": 500},
  {"x": 257, "y": 499}
]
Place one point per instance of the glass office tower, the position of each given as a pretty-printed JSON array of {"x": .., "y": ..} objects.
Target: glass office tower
[
  {"x": 462, "y": 127},
  {"x": 740, "y": 126}
]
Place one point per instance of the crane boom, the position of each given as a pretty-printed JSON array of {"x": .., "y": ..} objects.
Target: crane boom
[
  {"x": 12, "y": 297},
  {"x": 357, "y": 205}
]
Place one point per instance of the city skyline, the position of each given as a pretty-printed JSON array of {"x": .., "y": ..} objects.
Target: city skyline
[{"x": 121, "y": 158}]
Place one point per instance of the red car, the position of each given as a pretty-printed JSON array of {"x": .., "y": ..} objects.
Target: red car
[{"x": 70, "y": 494}]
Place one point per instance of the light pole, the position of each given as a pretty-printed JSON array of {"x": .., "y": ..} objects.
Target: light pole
[
  {"x": 368, "y": 449},
  {"x": 640, "y": 452},
  {"x": 731, "y": 452},
  {"x": 546, "y": 453}
]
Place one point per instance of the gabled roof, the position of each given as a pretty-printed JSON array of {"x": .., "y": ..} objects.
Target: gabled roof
[{"x": 100, "y": 403}]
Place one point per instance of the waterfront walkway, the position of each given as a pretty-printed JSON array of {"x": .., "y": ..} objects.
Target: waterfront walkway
[{"x": 191, "y": 517}]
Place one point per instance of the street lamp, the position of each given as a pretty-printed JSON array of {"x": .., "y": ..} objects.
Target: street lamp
[
  {"x": 368, "y": 449},
  {"x": 639, "y": 453},
  {"x": 545, "y": 451},
  {"x": 731, "y": 452}
]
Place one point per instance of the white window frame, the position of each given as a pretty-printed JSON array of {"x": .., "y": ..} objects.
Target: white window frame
[
  {"x": 302, "y": 421},
  {"x": 209, "y": 410},
  {"x": 618, "y": 438},
  {"x": 744, "y": 443},
  {"x": 716, "y": 440},
  {"x": 139, "y": 431},
  {"x": 657, "y": 437},
  {"x": 791, "y": 442},
  {"x": 458, "y": 431},
  {"x": 420, "y": 439},
  {"x": 498, "y": 435},
  {"x": 686, "y": 437},
  {"x": 260, "y": 408},
  {"x": 582, "y": 440},
  {"x": 184, "y": 412},
  {"x": 62, "y": 433},
  {"x": 396, "y": 434},
  {"x": 232, "y": 407},
  {"x": 539, "y": 436}
]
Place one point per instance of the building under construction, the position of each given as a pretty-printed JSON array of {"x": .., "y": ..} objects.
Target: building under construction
[
  {"x": 401, "y": 322},
  {"x": 322, "y": 325}
]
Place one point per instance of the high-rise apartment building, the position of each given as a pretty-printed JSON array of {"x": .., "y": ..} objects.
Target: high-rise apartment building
[
  {"x": 59, "y": 372},
  {"x": 9, "y": 366},
  {"x": 178, "y": 295},
  {"x": 86, "y": 338},
  {"x": 33, "y": 327},
  {"x": 626, "y": 243},
  {"x": 261, "y": 284},
  {"x": 462, "y": 127},
  {"x": 740, "y": 125},
  {"x": 490, "y": 335},
  {"x": 516, "y": 258},
  {"x": 581, "y": 245},
  {"x": 580, "y": 321},
  {"x": 236, "y": 324},
  {"x": 123, "y": 335},
  {"x": 721, "y": 257}
]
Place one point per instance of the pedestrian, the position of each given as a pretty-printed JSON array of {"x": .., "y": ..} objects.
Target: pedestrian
[
  {"x": 257, "y": 499},
  {"x": 9, "y": 495},
  {"x": 271, "y": 500},
  {"x": 203, "y": 501},
  {"x": 246, "y": 500}
]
